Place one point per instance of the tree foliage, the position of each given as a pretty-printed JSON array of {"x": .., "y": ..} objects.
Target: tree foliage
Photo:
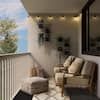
[{"x": 8, "y": 42}]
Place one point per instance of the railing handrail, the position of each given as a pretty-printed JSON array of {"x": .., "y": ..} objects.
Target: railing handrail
[
  {"x": 21, "y": 54},
  {"x": 15, "y": 54}
]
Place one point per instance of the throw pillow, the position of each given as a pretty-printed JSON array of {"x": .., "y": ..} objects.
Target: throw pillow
[
  {"x": 75, "y": 66},
  {"x": 68, "y": 61},
  {"x": 33, "y": 72},
  {"x": 40, "y": 71}
]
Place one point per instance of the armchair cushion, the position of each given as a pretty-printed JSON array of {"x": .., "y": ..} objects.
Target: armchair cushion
[{"x": 75, "y": 66}]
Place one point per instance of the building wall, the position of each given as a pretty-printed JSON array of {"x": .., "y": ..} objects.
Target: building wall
[
  {"x": 91, "y": 58},
  {"x": 47, "y": 55}
]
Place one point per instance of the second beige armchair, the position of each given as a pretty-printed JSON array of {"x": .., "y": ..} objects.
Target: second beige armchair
[{"x": 76, "y": 73}]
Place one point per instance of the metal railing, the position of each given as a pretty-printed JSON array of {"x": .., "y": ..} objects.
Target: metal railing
[{"x": 12, "y": 73}]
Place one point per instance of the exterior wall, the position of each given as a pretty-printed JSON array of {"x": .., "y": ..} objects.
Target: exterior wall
[{"x": 47, "y": 54}]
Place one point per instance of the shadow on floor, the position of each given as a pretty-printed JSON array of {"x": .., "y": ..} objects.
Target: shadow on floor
[
  {"x": 22, "y": 96},
  {"x": 80, "y": 94}
]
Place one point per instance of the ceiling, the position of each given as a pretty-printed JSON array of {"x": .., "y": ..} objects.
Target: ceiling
[
  {"x": 53, "y": 6},
  {"x": 95, "y": 7}
]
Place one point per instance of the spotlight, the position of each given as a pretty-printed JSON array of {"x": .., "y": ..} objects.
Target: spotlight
[
  {"x": 62, "y": 18},
  {"x": 38, "y": 18},
  {"x": 50, "y": 18},
  {"x": 76, "y": 18},
  {"x": 94, "y": 17}
]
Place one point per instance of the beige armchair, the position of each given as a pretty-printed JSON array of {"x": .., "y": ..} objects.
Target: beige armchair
[{"x": 78, "y": 74}]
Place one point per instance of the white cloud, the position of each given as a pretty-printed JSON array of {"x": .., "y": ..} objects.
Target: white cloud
[
  {"x": 7, "y": 1},
  {"x": 10, "y": 9}
]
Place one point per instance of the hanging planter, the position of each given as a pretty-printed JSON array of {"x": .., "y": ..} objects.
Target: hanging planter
[
  {"x": 47, "y": 34},
  {"x": 41, "y": 24}
]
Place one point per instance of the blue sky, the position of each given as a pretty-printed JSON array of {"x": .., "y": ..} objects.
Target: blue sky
[{"x": 14, "y": 9}]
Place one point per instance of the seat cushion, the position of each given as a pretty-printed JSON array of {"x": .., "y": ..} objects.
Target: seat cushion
[
  {"x": 77, "y": 81},
  {"x": 31, "y": 80},
  {"x": 76, "y": 66},
  {"x": 68, "y": 61}
]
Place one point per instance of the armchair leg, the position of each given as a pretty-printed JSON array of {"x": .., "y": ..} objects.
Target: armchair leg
[
  {"x": 62, "y": 87},
  {"x": 90, "y": 90},
  {"x": 62, "y": 90}
]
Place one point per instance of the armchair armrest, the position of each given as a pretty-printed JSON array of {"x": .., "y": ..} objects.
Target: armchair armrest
[
  {"x": 60, "y": 68},
  {"x": 70, "y": 75},
  {"x": 59, "y": 65}
]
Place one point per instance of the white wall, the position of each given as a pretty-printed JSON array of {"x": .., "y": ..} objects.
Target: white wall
[
  {"x": 91, "y": 58},
  {"x": 46, "y": 55}
]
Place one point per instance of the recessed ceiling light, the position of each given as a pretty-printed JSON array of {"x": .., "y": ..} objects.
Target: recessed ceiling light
[
  {"x": 38, "y": 18},
  {"x": 76, "y": 18},
  {"x": 50, "y": 17},
  {"x": 94, "y": 17},
  {"x": 62, "y": 18}
]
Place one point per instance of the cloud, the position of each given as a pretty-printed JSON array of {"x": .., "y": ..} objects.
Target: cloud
[
  {"x": 14, "y": 10},
  {"x": 7, "y": 1},
  {"x": 10, "y": 9}
]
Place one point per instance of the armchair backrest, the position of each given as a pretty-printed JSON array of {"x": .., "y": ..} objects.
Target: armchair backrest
[
  {"x": 88, "y": 68},
  {"x": 88, "y": 71}
]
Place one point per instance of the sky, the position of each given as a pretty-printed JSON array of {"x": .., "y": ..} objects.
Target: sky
[{"x": 14, "y": 9}]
